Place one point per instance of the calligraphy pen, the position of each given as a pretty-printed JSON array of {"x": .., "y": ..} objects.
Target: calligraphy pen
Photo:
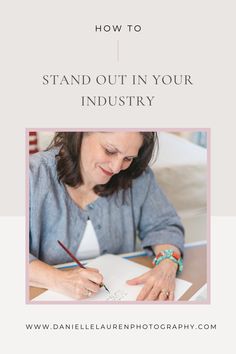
[{"x": 77, "y": 261}]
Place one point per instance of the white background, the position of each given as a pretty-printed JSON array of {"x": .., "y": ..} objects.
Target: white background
[{"x": 184, "y": 37}]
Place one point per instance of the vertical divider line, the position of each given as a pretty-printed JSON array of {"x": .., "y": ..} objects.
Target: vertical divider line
[{"x": 118, "y": 51}]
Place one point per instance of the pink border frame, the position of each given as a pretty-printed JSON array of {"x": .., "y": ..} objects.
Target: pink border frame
[{"x": 81, "y": 302}]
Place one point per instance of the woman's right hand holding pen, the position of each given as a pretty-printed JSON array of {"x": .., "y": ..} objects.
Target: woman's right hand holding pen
[
  {"x": 87, "y": 282},
  {"x": 78, "y": 283}
]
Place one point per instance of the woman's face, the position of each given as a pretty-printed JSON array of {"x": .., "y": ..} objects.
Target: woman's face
[{"x": 106, "y": 154}]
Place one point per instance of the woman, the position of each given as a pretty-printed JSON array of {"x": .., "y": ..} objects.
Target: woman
[{"x": 93, "y": 191}]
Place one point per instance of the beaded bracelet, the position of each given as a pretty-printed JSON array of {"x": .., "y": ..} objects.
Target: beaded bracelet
[{"x": 169, "y": 254}]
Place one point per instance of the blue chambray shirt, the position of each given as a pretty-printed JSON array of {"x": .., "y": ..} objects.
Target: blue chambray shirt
[{"x": 54, "y": 216}]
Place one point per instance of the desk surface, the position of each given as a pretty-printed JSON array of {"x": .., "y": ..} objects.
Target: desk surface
[{"x": 195, "y": 270}]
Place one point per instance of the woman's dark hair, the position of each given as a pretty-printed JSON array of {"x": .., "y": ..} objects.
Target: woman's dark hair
[{"x": 68, "y": 162}]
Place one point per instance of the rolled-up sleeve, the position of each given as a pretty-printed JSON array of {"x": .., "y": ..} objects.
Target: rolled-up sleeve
[{"x": 158, "y": 222}]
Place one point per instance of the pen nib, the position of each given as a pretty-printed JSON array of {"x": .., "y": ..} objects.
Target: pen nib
[{"x": 106, "y": 288}]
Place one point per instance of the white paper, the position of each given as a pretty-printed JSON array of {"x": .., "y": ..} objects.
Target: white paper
[{"x": 116, "y": 272}]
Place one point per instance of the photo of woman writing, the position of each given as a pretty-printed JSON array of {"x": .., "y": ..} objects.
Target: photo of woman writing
[{"x": 94, "y": 191}]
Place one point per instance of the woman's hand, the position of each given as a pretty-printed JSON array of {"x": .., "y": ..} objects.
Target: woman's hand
[
  {"x": 79, "y": 283},
  {"x": 159, "y": 282}
]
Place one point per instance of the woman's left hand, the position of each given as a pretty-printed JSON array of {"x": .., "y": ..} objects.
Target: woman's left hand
[{"x": 159, "y": 282}]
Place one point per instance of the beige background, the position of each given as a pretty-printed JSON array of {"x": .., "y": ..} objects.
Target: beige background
[{"x": 184, "y": 37}]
